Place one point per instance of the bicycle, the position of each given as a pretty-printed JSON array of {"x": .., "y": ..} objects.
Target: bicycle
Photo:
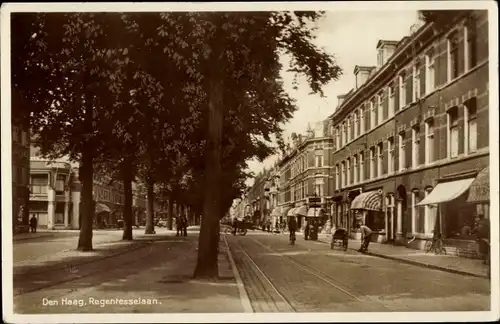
[{"x": 436, "y": 245}]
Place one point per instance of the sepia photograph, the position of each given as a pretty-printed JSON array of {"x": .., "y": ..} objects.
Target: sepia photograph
[{"x": 250, "y": 162}]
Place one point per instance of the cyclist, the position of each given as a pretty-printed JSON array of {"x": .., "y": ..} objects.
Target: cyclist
[{"x": 292, "y": 227}]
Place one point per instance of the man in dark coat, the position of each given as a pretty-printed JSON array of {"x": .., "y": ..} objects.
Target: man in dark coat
[
  {"x": 184, "y": 225},
  {"x": 33, "y": 224}
]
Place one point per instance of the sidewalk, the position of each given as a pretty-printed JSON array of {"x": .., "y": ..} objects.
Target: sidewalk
[
  {"x": 454, "y": 264},
  {"x": 158, "y": 276}
]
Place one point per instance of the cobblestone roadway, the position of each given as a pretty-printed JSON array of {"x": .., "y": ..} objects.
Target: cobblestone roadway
[{"x": 310, "y": 277}]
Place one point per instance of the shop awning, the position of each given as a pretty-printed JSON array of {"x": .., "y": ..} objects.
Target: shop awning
[
  {"x": 479, "y": 190},
  {"x": 446, "y": 191},
  {"x": 315, "y": 212},
  {"x": 290, "y": 212},
  {"x": 367, "y": 200},
  {"x": 101, "y": 208},
  {"x": 300, "y": 211}
]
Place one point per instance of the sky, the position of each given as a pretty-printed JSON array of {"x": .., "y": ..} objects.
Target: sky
[{"x": 351, "y": 36}]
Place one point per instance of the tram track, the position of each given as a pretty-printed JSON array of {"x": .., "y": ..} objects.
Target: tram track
[{"x": 352, "y": 295}]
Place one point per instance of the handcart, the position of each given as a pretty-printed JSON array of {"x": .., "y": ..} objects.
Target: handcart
[{"x": 340, "y": 238}]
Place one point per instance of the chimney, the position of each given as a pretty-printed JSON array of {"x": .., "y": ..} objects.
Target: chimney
[
  {"x": 385, "y": 49},
  {"x": 362, "y": 73},
  {"x": 340, "y": 99}
]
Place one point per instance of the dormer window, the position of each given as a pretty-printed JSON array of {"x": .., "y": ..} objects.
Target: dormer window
[{"x": 380, "y": 57}]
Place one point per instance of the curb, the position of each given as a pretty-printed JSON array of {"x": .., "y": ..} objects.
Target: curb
[
  {"x": 245, "y": 301},
  {"x": 419, "y": 264},
  {"x": 14, "y": 239}
]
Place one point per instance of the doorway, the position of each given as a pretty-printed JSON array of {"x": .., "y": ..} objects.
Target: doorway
[{"x": 401, "y": 203}]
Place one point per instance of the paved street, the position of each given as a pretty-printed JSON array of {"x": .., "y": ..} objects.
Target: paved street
[
  {"x": 156, "y": 271},
  {"x": 309, "y": 277}
]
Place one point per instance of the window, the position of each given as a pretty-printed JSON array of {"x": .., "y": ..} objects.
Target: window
[
  {"x": 415, "y": 139},
  {"x": 380, "y": 158},
  {"x": 380, "y": 108},
  {"x": 319, "y": 186},
  {"x": 337, "y": 137},
  {"x": 414, "y": 212},
  {"x": 344, "y": 134},
  {"x": 39, "y": 183},
  {"x": 363, "y": 121},
  {"x": 337, "y": 178},
  {"x": 401, "y": 152},
  {"x": 430, "y": 215},
  {"x": 319, "y": 158},
  {"x": 15, "y": 134},
  {"x": 392, "y": 100},
  {"x": 348, "y": 175},
  {"x": 429, "y": 141},
  {"x": 380, "y": 57},
  {"x": 402, "y": 90},
  {"x": 355, "y": 168},
  {"x": 372, "y": 163},
  {"x": 470, "y": 44},
  {"x": 361, "y": 167},
  {"x": 390, "y": 160},
  {"x": 60, "y": 183},
  {"x": 348, "y": 129},
  {"x": 430, "y": 72},
  {"x": 24, "y": 138},
  {"x": 356, "y": 124},
  {"x": 452, "y": 117},
  {"x": 342, "y": 177},
  {"x": 452, "y": 57},
  {"x": 470, "y": 113},
  {"x": 373, "y": 120},
  {"x": 416, "y": 81}
]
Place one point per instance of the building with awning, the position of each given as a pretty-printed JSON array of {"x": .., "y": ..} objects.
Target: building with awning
[
  {"x": 290, "y": 212},
  {"x": 446, "y": 191},
  {"x": 102, "y": 208},
  {"x": 300, "y": 211},
  {"x": 370, "y": 200},
  {"x": 315, "y": 212},
  {"x": 479, "y": 190}
]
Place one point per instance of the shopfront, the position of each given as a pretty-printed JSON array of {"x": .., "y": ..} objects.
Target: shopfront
[
  {"x": 456, "y": 215},
  {"x": 367, "y": 208}
]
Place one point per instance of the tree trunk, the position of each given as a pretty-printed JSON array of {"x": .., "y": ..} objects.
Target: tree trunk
[
  {"x": 128, "y": 215},
  {"x": 87, "y": 178},
  {"x": 170, "y": 219},
  {"x": 208, "y": 243},
  {"x": 150, "y": 229}
]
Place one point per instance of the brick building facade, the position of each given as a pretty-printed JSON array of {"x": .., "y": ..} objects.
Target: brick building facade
[
  {"x": 418, "y": 119},
  {"x": 306, "y": 176}
]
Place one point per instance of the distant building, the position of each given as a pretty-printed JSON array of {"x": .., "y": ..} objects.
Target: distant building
[
  {"x": 55, "y": 197},
  {"x": 411, "y": 137},
  {"x": 305, "y": 176},
  {"x": 20, "y": 176}
]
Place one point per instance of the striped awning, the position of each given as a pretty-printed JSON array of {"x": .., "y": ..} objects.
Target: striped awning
[
  {"x": 300, "y": 211},
  {"x": 290, "y": 212},
  {"x": 479, "y": 190},
  {"x": 101, "y": 208},
  {"x": 315, "y": 212},
  {"x": 368, "y": 201}
]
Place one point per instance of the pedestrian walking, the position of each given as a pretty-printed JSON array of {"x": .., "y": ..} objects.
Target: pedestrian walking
[
  {"x": 33, "y": 223},
  {"x": 184, "y": 225},
  {"x": 366, "y": 235},
  {"x": 292, "y": 227},
  {"x": 483, "y": 235},
  {"x": 178, "y": 225}
]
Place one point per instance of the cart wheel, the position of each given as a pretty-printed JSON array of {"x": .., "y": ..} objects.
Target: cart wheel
[{"x": 244, "y": 232}]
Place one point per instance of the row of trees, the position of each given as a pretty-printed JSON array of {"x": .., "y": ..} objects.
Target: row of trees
[{"x": 179, "y": 100}]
